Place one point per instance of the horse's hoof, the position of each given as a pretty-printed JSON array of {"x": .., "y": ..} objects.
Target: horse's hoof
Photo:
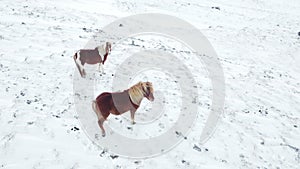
[
  {"x": 103, "y": 134},
  {"x": 133, "y": 122}
]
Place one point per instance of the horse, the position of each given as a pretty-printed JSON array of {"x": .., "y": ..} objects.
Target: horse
[
  {"x": 118, "y": 103},
  {"x": 92, "y": 56}
]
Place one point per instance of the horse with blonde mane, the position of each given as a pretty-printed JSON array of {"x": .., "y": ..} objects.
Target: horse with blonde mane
[{"x": 118, "y": 103}]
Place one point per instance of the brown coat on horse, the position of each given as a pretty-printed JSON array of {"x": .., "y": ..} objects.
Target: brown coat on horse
[
  {"x": 120, "y": 102},
  {"x": 92, "y": 56}
]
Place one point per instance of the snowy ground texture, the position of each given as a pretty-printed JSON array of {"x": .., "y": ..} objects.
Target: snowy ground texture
[{"x": 258, "y": 46}]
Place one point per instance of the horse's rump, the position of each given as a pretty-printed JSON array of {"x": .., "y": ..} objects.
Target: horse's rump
[{"x": 104, "y": 103}]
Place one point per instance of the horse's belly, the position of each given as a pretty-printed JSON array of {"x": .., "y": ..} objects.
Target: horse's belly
[
  {"x": 92, "y": 61},
  {"x": 119, "y": 109}
]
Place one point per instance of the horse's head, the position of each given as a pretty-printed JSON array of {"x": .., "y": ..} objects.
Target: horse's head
[
  {"x": 148, "y": 90},
  {"x": 108, "y": 47}
]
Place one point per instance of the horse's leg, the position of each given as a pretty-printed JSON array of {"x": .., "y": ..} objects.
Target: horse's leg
[
  {"x": 132, "y": 112},
  {"x": 82, "y": 69},
  {"x": 101, "y": 119},
  {"x": 100, "y": 122},
  {"x": 79, "y": 69},
  {"x": 83, "y": 72},
  {"x": 100, "y": 68}
]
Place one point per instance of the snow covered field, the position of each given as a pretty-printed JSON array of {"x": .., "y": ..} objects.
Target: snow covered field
[{"x": 257, "y": 43}]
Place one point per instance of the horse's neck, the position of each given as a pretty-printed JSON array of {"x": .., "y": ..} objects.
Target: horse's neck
[
  {"x": 101, "y": 50},
  {"x": 136, "y": 98}
]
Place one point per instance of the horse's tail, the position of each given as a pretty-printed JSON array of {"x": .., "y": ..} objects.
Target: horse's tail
[
  {"x": 75, "y": 56},
  {"x": 94, "y": 106},
  {"x": 96, "y": 109},
  {"x": 77, "y": 65}
]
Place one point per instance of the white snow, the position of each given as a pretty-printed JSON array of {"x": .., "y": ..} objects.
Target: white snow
[{"x": 258, "y": 46}]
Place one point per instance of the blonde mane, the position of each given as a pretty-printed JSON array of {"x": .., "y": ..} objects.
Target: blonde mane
[{"x": 137, "y": 92}]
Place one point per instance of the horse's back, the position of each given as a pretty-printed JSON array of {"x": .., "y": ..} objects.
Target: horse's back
[
  {"x": 104, "y": 97},
  {"x": 90, "y": 56}
]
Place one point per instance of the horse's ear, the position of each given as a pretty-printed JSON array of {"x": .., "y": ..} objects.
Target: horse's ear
[
  {"x": 108, "y": 44},
  {"x": 107, "y": 47}
]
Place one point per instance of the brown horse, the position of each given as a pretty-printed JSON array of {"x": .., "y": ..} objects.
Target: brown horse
[
  {"x": 92, "y": 56},
  {"x": 120, "y": 102}
]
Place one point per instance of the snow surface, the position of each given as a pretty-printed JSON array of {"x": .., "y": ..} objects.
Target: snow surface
[{"x": 257, "y": 43}]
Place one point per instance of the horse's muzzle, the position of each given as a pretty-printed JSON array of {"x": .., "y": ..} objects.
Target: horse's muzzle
[{"x": 150, "y": 97}]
